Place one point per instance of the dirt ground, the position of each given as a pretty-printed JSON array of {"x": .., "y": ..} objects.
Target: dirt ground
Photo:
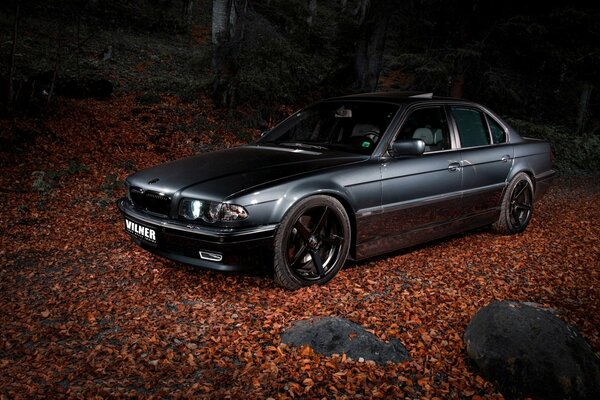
[{"x": 84, "y": 312}]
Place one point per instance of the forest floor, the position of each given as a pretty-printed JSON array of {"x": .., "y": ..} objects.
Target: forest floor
[{"x": 84, "y": 312}]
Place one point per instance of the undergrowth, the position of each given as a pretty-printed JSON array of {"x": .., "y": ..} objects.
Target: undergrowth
[{"x": 573, "y": 152}]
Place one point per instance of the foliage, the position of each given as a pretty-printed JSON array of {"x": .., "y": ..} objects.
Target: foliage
[
  {"x": 573, "y": 152},
  {"x": 114, "y": 321},
  {"x": 45, "y": 181},
  {"x": 286, "y": 59},
  {"x": 110, "y": 40},
  {"x": 274, "y": 68},
  {"x": 520, "y": 60},
  {"x": 148, "y": 98},
  {"x": 111, "y": 183}
]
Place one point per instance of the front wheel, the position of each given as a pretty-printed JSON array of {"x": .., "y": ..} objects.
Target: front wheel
[
  {"x": 517, "y": 205},
  {"x": 312, "y": 243}
]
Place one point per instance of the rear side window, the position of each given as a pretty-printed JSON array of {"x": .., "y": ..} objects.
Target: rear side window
[
  {"x": 472, "y": 127},
  {"x": 498, "y": 133}
]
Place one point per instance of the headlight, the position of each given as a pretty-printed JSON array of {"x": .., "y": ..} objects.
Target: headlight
[
  {"x": 211, "y": 212},
  {"x": 232, "y": 212}
]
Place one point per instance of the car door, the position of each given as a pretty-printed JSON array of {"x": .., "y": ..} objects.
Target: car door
[
  {"x": 422, "y": 194},
  {"x": 486, "y": 160}
]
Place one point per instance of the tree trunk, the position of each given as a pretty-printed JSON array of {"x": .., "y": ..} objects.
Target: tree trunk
[
  {"x": 11, "y": 73},
  {"x": 371, "y": 45},
  {"x": 227, "y": 36},
  {"x": 584, "y": 102},
  {"x": 343, "y": 4},
  {"x": 361, "y": 10},
  {"x": 220, "y": 21},
  {"x": 312, "y": 10},
  {"x": 188, "y": 6},
  {"x": 466, "y": 8},
  {"x": 458, "y": 85},
  {"x": 56, "y": 68}
]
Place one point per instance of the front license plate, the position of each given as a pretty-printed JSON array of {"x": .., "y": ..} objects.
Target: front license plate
[{"x": 140, "y": 231}]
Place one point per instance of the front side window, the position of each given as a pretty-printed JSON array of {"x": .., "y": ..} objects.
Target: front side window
[
  {"x": 472, "y": 127},
  {"x": 429, "y": 125}
]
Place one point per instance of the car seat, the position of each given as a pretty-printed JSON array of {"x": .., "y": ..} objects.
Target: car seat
[{"x": 425, "y": 135}]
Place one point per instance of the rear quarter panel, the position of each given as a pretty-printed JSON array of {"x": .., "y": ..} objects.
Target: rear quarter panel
[{"x": 534, "y": 157}]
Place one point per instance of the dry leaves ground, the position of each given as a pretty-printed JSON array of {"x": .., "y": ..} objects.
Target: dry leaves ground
[{"x": 84, "y": 312}]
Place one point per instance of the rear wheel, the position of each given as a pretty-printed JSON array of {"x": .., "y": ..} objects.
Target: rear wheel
[
  {"x": 312, "y": 243},
  {"x": 517, "y": 205}
]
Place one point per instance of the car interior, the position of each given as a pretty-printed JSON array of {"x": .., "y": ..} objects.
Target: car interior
[{"x": 429, "y": 125}]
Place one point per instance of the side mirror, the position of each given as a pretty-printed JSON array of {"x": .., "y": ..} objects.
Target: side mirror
[
  {"x": 264, "y": 133},
  {"x": 408, "y": 148}
]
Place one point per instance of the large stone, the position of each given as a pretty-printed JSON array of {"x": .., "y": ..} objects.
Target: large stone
[
  {"x": 528, "y": 351},
  {"x": 329, "y": 336}
]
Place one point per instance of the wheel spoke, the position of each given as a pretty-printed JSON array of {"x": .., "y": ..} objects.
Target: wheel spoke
[
  {"x": 521, "y": 191},
  {"x": 517, "y": 216},
  {"x": 334, "y": 239},
  {"x": 302, "y": 230},
  {"x": 322, "y": 221},
  {"x": 523, "y": 206},
  {"x": 317, "y": 261},
  {"x": 299, "y": 255}
]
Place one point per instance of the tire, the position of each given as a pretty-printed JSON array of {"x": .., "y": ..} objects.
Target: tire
[
  {"x": 517, "y": 206},
  {"x": 312, "y": 243}
]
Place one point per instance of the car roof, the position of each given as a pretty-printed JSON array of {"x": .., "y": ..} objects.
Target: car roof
[{"x": 395, "y": 97}]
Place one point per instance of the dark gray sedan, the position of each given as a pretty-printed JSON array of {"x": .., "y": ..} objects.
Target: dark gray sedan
[{"x": 349, "y": 177}]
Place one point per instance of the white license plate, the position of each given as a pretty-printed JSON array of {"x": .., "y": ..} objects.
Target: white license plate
[{"x": 140, "y": 231}]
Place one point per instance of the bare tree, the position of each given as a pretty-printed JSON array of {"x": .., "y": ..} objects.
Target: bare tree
[{"x": 227, "y": 35}]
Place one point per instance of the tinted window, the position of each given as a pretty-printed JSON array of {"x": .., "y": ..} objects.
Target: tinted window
[
  {"x": 498, "y": 133},
  {"x": 429, "y": 125},
  {"x": 472, "y": 128}
]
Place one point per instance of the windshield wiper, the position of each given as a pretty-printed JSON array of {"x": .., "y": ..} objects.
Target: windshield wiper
[{"x": 305, "y": 145}]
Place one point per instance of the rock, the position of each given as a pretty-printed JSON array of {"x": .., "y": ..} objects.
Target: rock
[
  {"x": 329, "y": 336},
  {"x": 528, "y": 351}
]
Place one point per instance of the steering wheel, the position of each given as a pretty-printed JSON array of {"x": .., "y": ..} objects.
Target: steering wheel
[{"x": 373, "y": 135}]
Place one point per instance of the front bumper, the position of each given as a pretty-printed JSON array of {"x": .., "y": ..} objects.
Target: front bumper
[{"x": 247, "y": 249}]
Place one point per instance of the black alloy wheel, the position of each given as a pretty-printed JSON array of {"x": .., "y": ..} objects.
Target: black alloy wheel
[
  {"x": 521, "y": 205},
  {"x": 517, "y": 205},
  {"x": 312, "y": 243}
]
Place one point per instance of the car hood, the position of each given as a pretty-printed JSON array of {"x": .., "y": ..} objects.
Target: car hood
[{"x": 220, "y": 174}]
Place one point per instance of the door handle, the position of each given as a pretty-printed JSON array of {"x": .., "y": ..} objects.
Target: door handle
[
  {"x": 505, "y": 158},
  {"x": 453, "y": 167}
]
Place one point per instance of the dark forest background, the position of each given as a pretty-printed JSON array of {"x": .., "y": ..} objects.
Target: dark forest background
[{"x": 534, "y": 62}]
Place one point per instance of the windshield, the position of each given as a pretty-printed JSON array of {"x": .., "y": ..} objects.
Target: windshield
[{"x": 348, "y": 126}]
